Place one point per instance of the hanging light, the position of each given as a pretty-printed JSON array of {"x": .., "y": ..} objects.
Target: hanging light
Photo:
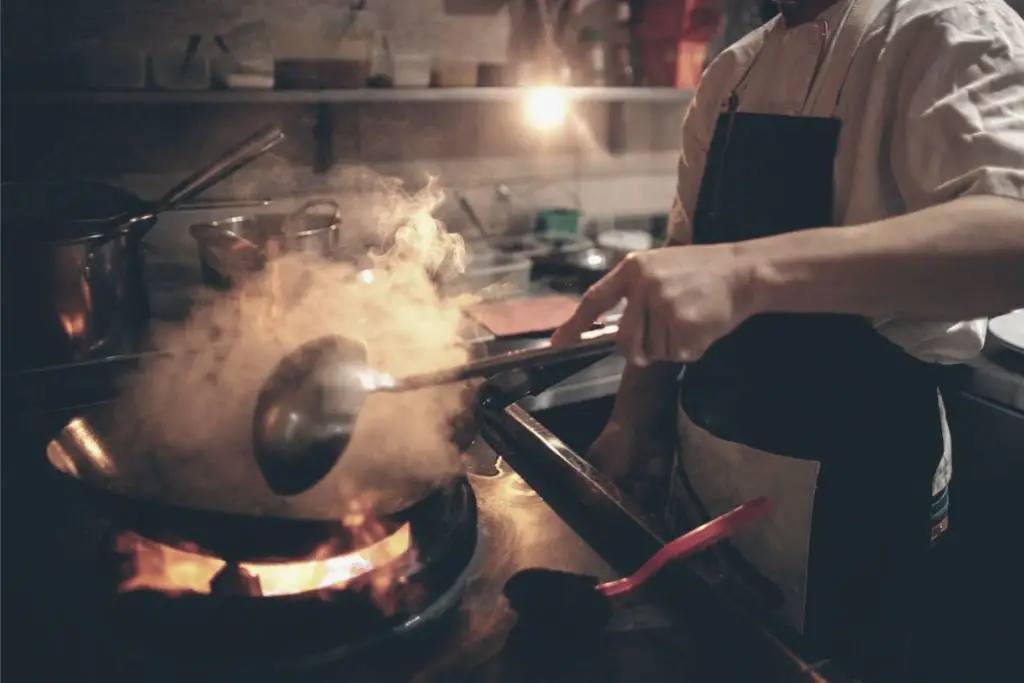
[{"x": 546, "y": 106}]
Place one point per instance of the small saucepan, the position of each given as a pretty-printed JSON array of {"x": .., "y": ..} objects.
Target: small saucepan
[
  {"x": 233, "y": 248},
  {"x": 74, "y": 284}
]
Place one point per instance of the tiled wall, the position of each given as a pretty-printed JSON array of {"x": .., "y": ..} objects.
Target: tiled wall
[{"x": 471, "y": 147}]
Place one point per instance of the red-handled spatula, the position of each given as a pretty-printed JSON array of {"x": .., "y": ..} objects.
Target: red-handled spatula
[
  {"x": 694, "y": 541},
  {"x": 550, "y": 601}
]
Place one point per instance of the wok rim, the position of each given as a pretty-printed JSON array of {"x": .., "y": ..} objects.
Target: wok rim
[{"x": 172, "y": 521}]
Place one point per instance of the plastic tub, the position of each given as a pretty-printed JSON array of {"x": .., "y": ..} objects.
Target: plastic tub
[
  {"x": 411, "y": 70},
  {"x": 558, "y": 224},
  {"x": 492, "y": 275},
  {"x": 170, "y": 72},
  {"x": 454, "y": 74}
]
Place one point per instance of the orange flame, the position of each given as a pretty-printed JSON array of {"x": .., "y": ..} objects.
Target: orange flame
[
  {"x": 73, "y": 324},
  {"x": 172, "y": 570},
  {"x": 177, "y": 570}
]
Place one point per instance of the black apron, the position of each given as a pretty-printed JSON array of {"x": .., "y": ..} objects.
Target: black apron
[{"x": 841, "y": 426}]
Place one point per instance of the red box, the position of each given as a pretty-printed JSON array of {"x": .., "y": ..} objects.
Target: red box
[
  {"x": 692, "y": 20},
  {"x": 674, "y": 63},
  {"x": 660, "y": 59},
  {"x": 690, "y": 63}
]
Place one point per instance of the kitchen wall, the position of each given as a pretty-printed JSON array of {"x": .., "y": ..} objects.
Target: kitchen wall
[{"x": 471, "y": 147}]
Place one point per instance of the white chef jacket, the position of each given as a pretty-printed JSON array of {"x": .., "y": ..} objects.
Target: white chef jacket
[{"x": 932, "y": 110}]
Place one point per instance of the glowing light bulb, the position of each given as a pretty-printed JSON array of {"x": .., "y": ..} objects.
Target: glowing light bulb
[{"x": 546, "y": 107}]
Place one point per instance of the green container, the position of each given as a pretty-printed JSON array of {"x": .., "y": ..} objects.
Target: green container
[{"x": 558, "y": 224}]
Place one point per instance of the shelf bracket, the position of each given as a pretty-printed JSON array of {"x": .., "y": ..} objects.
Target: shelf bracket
[{"x": 323, "y": 138}]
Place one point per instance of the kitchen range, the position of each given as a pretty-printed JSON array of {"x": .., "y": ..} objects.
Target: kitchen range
[{"x": 120, "y": 567}]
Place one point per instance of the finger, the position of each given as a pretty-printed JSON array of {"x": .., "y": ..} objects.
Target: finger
[
  {"x": 601, "y": 297},
  {"x": 633, "y": 327}
]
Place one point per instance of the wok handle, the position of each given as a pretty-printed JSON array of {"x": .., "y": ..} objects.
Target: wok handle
[
  {"x": 241, "y": 155},
  {"x": 594, "y": 343}
]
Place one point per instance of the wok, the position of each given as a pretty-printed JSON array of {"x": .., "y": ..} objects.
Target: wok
[
  {"x": 128, "y": 481},
  {"x": 125, "y": 480},
  {"x": 94, "y": 474}
]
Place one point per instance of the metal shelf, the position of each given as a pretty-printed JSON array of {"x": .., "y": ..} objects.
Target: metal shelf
[{"x": 349, "y": 96}]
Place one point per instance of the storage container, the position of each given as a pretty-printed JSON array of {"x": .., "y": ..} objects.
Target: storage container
[
  {"x": 695, "y": 20},
  {"x": 558, "y": 224},
  {"x": 344, "y": 65},
  {"x": 455, "y": 74},
  {"x": 174, "y": 70},
  {"x": 492, "y": 275},
  {"x": 411, "y": 70}
]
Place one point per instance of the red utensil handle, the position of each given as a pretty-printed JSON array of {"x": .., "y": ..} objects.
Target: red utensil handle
[{"x": 718, "y": 529}]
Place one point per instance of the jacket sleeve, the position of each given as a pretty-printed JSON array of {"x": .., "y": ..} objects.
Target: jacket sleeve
[
  {"x": 698, "y": 126},
  {"x": 960, "y": 110}
]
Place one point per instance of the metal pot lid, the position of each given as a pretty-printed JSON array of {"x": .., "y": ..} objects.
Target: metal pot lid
[{"x": 60, "y": 211}]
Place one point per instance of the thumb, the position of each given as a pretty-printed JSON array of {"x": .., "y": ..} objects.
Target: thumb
[{"x": 600, "y": 298}]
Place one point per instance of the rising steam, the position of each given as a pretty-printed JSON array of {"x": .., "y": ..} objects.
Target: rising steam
[{"x": 192, "y": 411}]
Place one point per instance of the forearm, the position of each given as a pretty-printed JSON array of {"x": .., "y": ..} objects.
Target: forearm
[
  {"x": 646, "y": 395},
  {"x": 960, "y": 260}
]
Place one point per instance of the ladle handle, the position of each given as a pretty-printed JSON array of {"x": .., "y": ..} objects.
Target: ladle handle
[
  {"x": 235, "y": 158},
  {"x": 592, "y": 343}
]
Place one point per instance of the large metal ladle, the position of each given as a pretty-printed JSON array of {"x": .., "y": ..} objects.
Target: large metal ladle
[{"x": 308, "y": 406}]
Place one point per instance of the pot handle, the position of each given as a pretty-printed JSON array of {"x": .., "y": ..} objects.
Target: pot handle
[
  {"x": 242, "y": 154},
  {"x": 312, "y": 204}
]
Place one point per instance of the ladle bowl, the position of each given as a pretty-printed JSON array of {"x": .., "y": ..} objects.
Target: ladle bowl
[{"x": 307, "y": 408}]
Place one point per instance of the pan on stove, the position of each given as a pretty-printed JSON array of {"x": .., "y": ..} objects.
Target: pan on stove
[
  {"x": 119, "y": 482},
  {"x": 144, "y": 485},
  {"x": 161, "y": 491},
  {"x": 198, "y": 631}
]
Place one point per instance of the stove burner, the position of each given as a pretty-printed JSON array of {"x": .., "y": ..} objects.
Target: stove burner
[{"x": 234, "y": 618}]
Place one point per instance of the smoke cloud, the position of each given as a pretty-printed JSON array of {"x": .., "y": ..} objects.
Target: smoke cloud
[{"x": 190, "y": 413}]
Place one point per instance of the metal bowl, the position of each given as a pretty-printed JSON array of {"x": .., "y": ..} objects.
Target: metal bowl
[{"x": 232, "y": 248}]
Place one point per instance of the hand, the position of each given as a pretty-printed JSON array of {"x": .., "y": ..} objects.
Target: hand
[
  {"x": 621, "y": 448},
  {"x": 680, "y": 300}
]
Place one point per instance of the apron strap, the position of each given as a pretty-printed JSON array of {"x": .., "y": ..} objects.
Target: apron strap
[{"x": 829, "y": 86}]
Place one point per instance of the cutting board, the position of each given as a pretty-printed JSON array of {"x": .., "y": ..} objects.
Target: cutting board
[{"x": 522, "y": 316}]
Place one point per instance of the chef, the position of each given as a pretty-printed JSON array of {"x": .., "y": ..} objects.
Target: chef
[{"x": 849, "y": 208}]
